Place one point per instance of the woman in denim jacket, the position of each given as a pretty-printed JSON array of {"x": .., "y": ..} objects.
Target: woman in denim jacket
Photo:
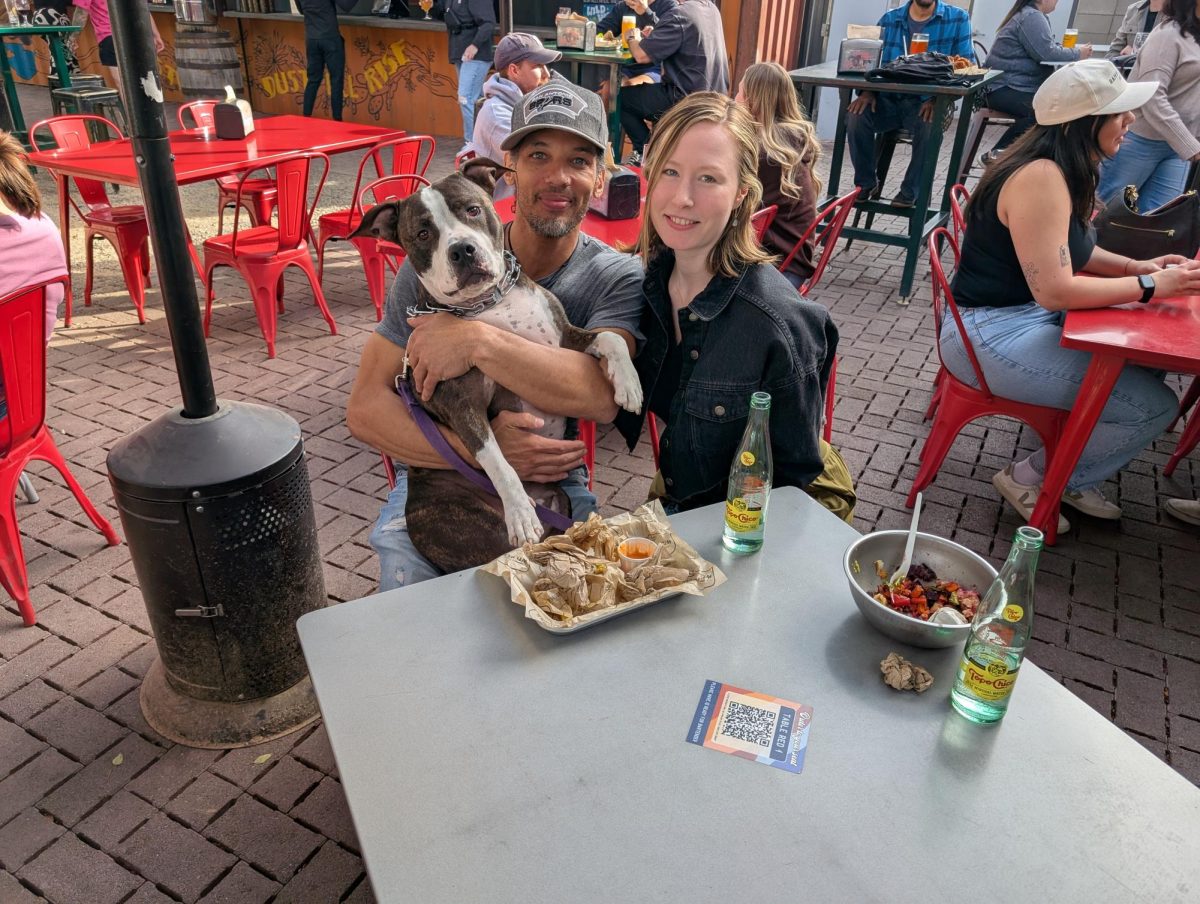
[{"x": 720, "y": 321}]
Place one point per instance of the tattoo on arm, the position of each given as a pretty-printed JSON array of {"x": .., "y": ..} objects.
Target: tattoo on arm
[
  {"x": 1031, "y": 271},
  {"x": 1064, "y": 256}
]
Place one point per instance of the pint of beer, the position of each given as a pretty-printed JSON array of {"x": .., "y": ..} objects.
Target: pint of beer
[
  {"x": 1070, "y": 36},
  {"x": 920, "y": 43},
  {"x": 628, "y": 24}
]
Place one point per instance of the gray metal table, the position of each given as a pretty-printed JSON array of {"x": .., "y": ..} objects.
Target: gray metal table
[
  {"x": 922, "y": 220},
  {"x": 487, "y": 761}
]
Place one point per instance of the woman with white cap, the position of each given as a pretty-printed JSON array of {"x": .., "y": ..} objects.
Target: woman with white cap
[{"x": 1027, "y": 237}]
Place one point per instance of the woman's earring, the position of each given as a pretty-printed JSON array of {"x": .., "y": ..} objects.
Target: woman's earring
[{"x": 733, "y": 222}]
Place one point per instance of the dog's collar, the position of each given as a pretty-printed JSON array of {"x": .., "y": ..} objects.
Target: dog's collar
[{"x": 512, "y": 272}]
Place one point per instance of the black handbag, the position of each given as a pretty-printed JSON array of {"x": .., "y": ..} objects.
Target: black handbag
[
  {"x": 1173, "y": 228},
  {"x": 927, "y": 68}
]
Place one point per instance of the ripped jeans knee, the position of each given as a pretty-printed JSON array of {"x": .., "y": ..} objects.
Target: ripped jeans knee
[{"x": 400, "y": 565}]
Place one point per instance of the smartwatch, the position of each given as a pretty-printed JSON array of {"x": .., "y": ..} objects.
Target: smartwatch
[{"x": 1147, "y": 284}]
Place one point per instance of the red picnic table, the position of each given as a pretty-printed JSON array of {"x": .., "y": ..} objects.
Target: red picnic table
[
  {"x": 1163, "y": 334},
  {"x": 198, "y": 158}
]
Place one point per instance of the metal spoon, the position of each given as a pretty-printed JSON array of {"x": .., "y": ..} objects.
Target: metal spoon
[{"x": 908, "y": 544}]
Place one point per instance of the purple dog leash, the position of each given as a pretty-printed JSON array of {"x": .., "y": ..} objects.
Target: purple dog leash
[{"x": 443, "y": 448}]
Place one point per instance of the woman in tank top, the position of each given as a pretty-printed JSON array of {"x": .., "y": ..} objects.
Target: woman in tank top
[{"x": 1027, "y": 236}]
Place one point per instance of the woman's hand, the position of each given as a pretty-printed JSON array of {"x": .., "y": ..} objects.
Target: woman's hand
[
  {"x": 469, "y": 53},
  {"x": 1183, "y": 279},
  {"x": 1085, "y": 51},
  {"x": 1154, "y": 265}
]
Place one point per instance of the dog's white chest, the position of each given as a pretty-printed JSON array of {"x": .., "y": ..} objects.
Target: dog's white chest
[{"x": 524, "y": 312}]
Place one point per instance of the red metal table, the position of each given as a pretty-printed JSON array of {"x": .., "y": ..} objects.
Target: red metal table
[
  {"x": 198, "y": 158},
  {"x": 620, "y": 234},
  {"x": 1164, "y": 334}
]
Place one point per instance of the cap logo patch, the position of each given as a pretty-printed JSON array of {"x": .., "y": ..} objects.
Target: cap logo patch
[{"x": 553, "y": 100}]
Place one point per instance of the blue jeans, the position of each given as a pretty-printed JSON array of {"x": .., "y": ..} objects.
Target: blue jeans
[
  {"x": 471, "y": 76},
  {"x": 892, "y": 111},
  {"x": 400, "y": 565},
  {"x": 1149, "y": 164},
  {"x": 1020, "y": 355}
]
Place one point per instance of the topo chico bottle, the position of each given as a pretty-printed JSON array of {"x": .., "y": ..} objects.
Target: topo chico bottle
[
  {"x": 999, "y": 635},
  {"x": 750, "y": 481}
]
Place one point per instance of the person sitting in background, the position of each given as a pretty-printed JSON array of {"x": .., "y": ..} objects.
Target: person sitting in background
[
  {"x": 872, "y": 112},
  {"x": 786, "y": 160},
  {"x": 1161, "y": 144},
  {"x": 521, "y": 65},
  {"x": 689, "y": 43},
  {"x": 96, "y": 12},
  {"x": 647, "y": 13},
  {"x": 324, "y": 50},
  {"x": 1028, "y": 236},
  {"x": 1023, "y": 42},
  {"x": 1141, "y": 16},
  {"x": 31, "y": 248},
  {"x": 720, "y": 321}
]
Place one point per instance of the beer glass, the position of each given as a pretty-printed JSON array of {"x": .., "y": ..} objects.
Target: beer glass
[
  {"x": 920, "y": 43},
  {"x": 1070, "y": 36},
  {"x": 426, "y": 5}
]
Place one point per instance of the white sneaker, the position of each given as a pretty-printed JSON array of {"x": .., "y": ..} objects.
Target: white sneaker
[
  {"x": 1187, "y": 510},
  {"x": 1092, "y": 502},
  {"x": 1022, "y": 497}
]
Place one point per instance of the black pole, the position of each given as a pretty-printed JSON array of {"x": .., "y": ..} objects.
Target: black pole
[{"x": 141, "y": 88}]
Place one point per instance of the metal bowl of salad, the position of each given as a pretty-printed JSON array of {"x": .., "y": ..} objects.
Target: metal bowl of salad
[{"x": 944, "y": 575}]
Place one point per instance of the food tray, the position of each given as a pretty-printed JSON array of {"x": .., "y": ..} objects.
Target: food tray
[{"x": 649, "y": 520}]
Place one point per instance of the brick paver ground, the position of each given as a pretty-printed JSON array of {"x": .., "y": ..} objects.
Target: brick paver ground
[{"x": 95, "y": 807}]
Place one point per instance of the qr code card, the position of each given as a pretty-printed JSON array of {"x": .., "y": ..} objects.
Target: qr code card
[{"x": 754, "y": 726}]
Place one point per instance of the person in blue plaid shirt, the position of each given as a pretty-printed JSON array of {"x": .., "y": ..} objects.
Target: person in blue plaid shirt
[{"x": 872, "y": 112}]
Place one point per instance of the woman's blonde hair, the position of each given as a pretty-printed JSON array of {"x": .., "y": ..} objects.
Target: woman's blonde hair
[
  {"x": 737, "y": 247},
  {"x": 788, "y": 136},
  {"x": 17, "y": 187}
]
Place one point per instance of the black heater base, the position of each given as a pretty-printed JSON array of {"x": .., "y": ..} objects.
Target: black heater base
[{"x": 214, "y": 725}]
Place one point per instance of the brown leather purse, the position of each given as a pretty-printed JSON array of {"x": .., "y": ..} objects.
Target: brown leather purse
[{"x": 1173, "y": 228}]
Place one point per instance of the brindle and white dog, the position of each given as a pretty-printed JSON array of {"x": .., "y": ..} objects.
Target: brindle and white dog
[{"x": 454, "y": 241}]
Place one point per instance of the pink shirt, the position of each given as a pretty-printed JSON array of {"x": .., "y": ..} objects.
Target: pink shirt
[
  {"x": 31, "y": 251},
  {"x": 97, "y": 11}
]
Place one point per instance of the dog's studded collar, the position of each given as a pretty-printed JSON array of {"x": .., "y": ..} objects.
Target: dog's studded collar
[{"x": 512, "y": 272}]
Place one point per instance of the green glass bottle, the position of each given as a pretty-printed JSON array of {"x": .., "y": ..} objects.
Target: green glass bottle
[
  {"x": 999, "y": 635},
  {"x": 750, "y": 481}
]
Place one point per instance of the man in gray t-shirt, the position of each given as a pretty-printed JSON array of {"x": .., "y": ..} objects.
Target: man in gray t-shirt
[{"x": 555, "y": 149}]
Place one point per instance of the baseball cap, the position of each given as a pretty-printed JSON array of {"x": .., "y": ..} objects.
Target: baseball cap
[
  {"x": 561, "y": 105},
  {"x": 1088, "y": 88},
  {"x": 516, "y": 47}
]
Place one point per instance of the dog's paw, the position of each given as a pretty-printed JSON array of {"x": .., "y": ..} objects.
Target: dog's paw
[
  {"x": 522, "y": 522},
  {"x": 627, "y": 388}
]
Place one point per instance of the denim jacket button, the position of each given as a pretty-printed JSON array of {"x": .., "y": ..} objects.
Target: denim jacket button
[
  {"x": 719, "y": 410},
  {"x": 695, "y": 354},
  {"x": 670, "y": 482},
  {"x": 692, "y": 318}
]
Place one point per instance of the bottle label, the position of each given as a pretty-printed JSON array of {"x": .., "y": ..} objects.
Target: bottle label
[
  {"x": 747, "y": 458},
  {"x": 1012, "y": 612},
  {"x": 991, "y": 679},
  {"x": 744, "y": 513}
]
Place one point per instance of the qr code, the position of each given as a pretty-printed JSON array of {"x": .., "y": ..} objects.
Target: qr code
[{"x": 751, "y": 724}]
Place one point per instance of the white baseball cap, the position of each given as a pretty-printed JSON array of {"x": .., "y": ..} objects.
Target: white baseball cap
[{"x": 1088, "y": 88}]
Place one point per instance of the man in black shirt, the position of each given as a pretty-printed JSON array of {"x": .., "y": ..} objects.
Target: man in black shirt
[
  {"x": 325, "y": 49},
  {"x": 690, "y": 44}
]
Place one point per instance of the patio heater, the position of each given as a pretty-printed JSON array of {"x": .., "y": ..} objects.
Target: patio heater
[{"x": 213, "y": 496}]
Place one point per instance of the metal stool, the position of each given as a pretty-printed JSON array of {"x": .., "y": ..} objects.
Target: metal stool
[
  {"x": 77, "y": 81},
  {"x": 101, "y": 101}
]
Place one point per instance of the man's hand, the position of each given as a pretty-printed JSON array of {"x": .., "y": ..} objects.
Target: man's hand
[
  {"x": 1085, "y": 51},
  {"x": 534, "y": 458},
  {"x": 159, "y": 46},
  {"x": 927, "y": 111},
  {"x": 441, "y": 347},
  {"x": 862, "y": 103},
  {"x": 469, "y": 53},
  {"x": 638, "y": 6}
]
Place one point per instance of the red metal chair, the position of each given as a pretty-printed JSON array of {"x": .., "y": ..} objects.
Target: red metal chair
[
  {"x": 960, "y": 403},
  {"x": 411, "y": 154},
  {"x": 463, "y": 156},
  {"x": 124, "y": 226},
  {"x": 376, "y": 252},
  {"x": 259, "y": 196},
  {"x": 762, "y": 220},
  {"x": 1191, "y": 430},
  {"x": 23, "y": 432},
  {"x": 262, "y": 253},
  {"x": 959, "y": 196}
]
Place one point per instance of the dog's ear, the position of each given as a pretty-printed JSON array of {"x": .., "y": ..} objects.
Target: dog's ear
[
  {"x": 484, "y": 172},
  {"x": 380, "y": 222}
]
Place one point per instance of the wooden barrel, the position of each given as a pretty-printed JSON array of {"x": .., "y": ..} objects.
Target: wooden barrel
[{"x": 206, "y": 61}]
